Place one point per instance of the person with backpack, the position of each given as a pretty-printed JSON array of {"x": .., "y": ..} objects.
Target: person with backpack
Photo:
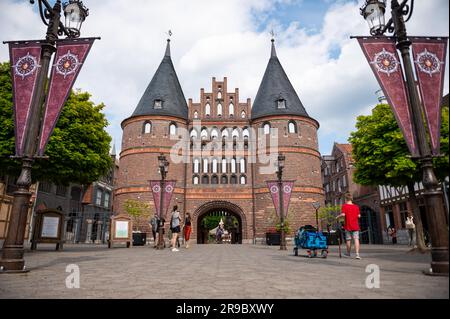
[
  {"x": 352, "y": 214},
  {"x": 175, "y": 226}
]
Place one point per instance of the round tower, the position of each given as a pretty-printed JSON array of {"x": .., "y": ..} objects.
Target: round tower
[
  {"x": 283, "y": 126},
  {"x": 158, "y": 123}
]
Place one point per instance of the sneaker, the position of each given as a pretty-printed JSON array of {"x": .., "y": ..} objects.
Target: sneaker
[
  {"x": 357, "y": 256},
  {"x": 174, "y": 249},
  {"x": 346, "y": 255}
]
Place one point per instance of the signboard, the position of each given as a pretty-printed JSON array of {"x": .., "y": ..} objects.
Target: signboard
[
  {"x": 121, "y": 229},
  {"x": 50, "y": 227}
]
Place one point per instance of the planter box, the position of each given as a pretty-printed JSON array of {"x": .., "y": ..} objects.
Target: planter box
[
  {"x": 273, "y": 238},
  {"x": 139, "y": 239}
]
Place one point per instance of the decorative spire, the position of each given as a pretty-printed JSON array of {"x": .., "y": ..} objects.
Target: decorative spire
[
  {"x": 273, "y": 53},
  {"x": 168, "y": 44},
  {"x": 113, "y": 151}
]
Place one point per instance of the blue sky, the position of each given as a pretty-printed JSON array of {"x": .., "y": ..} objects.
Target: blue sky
[{"x": 229, "y": 38}]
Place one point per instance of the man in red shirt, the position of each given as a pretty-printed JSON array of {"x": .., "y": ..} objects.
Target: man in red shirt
[{"x": 351, "y": 213}]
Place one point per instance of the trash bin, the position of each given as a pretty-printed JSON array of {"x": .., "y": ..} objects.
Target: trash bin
[{"x": 139, "y": 239}]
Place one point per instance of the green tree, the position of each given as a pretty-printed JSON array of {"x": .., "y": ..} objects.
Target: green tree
[
  {"x": 78, "y": 149},
  {"x": 382, "y": 157},
  {"x": 136, "y": 210},
  {"x": 328, "y": 214}
]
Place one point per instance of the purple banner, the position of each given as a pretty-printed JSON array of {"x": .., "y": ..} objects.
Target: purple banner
[
  {"x": 70, "y": 56},
  {"x": 287, "y": 187},
  {"x": 169, "y": 188},
  {"x": 25, "y": 58},
  {"x": 429, "y": 57},
  {"x": 384, "y": 61}
]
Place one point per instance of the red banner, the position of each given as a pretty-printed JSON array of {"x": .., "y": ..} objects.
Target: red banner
[
  {"x": 70, "y": 56},
  {"x": 385, "y": 63},
  {"x": 25, "y": 58},
  {"x": 429, "y": 56},
  {"x": 287, "y": 187},
  {"x": 167, "y": 192}
]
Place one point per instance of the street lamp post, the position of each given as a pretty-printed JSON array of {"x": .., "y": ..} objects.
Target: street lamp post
[
  {"x": 316, "y": 206},
  {"x": 13, "y": 250},
  {"x": 280, "y": 164},
  {"x": 163, "y": 170},
  {"x": 373, "y": 11}
]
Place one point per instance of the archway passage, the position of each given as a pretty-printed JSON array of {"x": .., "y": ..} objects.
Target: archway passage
[
  {"x": 209, "y": 219},
  {"x": 370, "y": 231}
]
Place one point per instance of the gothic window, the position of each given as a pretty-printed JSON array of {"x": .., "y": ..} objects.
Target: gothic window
[
  {"x": 233, "y": 165},
  {"x": 243, "y": 180},
  {"x": 158, "y": 104},
  {"x": 205, "y": 179},
  {"x": 214, "y": 165},
  {"x": 246, "y": 133},
  {"x": 205, "y": 165},
  {"x": 196, "y": 166},
  {"x": 214, "y": 179},
  {"x": 292, "y": 127},
  {"x": 233, "y": 179},
  {"x": 219, "y": 95},
  {"x": 219, "y": 109},
  {"x": 147, "y": 127},
  {"x": 243, "y": 115},
  {"x": 195, "y": 115},
  {"x": 225, "y": 133},
  {"x": 224, "y": 165},
  {"x": 194, "y": 134},
  {"x": 195, "y": 180},
  {"x": 224, "y": 179},
  {"x": 173, "y": 129},
  {"x": 214, "y": 133},
  {"x": 231, "y": 109},
  {"x": 235, "y": 133},
  {"x": 204, "y": 134},
  {"x": 207, "y": 109},
  {"x": 266, "y": 127},
  {"x": 242, "y": 165}
]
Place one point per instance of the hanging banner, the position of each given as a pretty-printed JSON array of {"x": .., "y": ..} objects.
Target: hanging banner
[
  {"x": 429, "y": 60},
  {"x": 167, "y": 192},
  {"x": 286, "y": 188},
  {"x": 25, "y": 60},
  {"x": 70, "y": 56},
  {"x": 381, "y": 53}
]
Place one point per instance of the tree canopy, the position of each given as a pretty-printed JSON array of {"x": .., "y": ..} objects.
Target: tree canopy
[
  {"x": 381, "y": 154},
  {"x": 78, "y": 149}
]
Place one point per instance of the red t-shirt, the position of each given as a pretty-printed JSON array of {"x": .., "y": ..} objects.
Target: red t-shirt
[{"x": 351, "y": 212}]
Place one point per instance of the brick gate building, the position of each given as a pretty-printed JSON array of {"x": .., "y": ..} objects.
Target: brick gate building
[{"x": 222, "y": 151}]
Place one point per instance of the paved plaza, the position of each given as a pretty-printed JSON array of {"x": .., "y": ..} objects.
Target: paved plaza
[{"x": 221, "y": 271}]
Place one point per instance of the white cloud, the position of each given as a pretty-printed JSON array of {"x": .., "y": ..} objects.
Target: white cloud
[{"x": 222, "y": 38}]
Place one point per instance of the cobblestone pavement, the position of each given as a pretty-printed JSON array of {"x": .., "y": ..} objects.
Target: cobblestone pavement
[{"x": 221, "y": 271}]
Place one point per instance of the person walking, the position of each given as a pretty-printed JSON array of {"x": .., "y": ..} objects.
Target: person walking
[
  {"x": 351, "y": 213},
  {"x": 393, "y": 233},
  {"x": 175, "y": 226},
  {"x": 187, "y": 229},
  {"x": 409, "y": 223},
  {"x": 154, "y": 223}
]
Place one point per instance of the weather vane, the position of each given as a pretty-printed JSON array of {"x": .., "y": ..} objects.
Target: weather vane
[
  {"x": 272, "y": 34},
  {"x": 169, "y": 33}
]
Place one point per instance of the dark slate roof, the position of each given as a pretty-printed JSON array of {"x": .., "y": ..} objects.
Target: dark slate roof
[
  {"x": 275, "y": 84},
  {"x": 166, "y": 87}
]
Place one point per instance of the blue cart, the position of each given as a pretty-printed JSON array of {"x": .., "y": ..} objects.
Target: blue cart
[{"x": 311, "y": 239}]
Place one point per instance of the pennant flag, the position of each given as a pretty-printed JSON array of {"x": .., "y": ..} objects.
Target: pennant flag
[
  {"x": 287, "y": 187},
  {"x": 167, "y": 192},
  {"x": 382, "y": 56},
  {"x": 25, "y": 60},
  {"x": 70, "y": 56},
  {"x": 429, "y": 56}
]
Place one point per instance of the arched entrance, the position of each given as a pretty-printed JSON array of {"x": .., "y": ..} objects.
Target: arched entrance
[
  {"x": 370, "y": 232},
  {"x": 209, "y": 215}
]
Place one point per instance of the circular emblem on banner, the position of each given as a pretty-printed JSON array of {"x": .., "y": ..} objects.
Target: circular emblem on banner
[
  {"x": 428, "y": 62},
  {"x": 169, "y": 189},
  {"x": 25, "y": 66},
  {"x": 274, "y": 189},
  {"x": 156, "y": 189},
  {"x": 67, "y": 64},
  {"x": 385, "y": 62},
  {"x": 287, "y": 189}
]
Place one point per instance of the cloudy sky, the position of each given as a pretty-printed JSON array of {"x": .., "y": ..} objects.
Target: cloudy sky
[{"x": 213, "y": 38}]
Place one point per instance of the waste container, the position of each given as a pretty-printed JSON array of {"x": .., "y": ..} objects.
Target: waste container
[{"x": 139, "y": 239}]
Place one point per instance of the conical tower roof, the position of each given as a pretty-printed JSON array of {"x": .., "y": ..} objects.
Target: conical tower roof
[
  {"x": 163, "y": 95},
  {"x": 275, "y": 86}
]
